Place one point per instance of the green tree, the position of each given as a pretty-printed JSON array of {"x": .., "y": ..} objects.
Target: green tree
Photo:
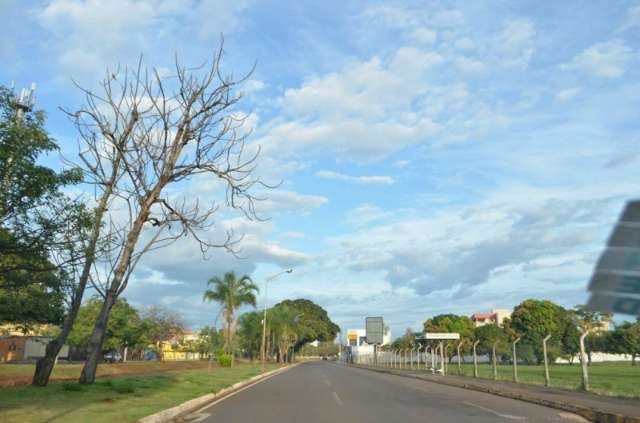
[
  {"x": 625, "y": 339},
  {"x": 285, "y": 323},
  {"x": 314, "y": 322},
  {"x": 535, "y": 319},
  {"x": 250, "y": 332},
  {"x": 408, "y": 340},
  {"x": 33, "y": 209},
  {"x": 125, "y": 328},
  {"x": 231, "y": 292},
  {"x": 452, "y": 323}
]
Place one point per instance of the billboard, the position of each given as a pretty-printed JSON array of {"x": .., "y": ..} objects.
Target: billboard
[{"x": 374, "y": 327}]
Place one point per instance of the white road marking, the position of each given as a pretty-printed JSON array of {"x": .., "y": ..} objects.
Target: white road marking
[
  {"x": 197, "y": 417},
  {"x": 336, "y": 397},
  {"x": 495, "y": 413}
]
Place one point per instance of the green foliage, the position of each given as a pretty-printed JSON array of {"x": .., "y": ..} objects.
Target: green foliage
[
  {"x": 314, "y": 322},
  {"x": 37, "y": 221},
  {"x": 250, "y": 332},
  {"x": 408, "y": 340},
  {"x": 625, "y": 339},
  {"x": 231, "y": 293},
  {"x": 535, "y": 319},
  {"x": 490, "y": 334},
  {"x": 224, "y": 360},
  {"x": 125, "y": 326}
]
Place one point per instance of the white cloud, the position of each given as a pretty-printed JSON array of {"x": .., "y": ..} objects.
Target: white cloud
[
  {"x": 363, "y": 180},
  {"x": 568, "y": 94},
  {"x": 253, "y": 86},
  {"x": 424, "y": 35},
  {"x": 604, "y": 60},
  {"x": 89, "y": 35},
  {"x": 284, "y": 202}
]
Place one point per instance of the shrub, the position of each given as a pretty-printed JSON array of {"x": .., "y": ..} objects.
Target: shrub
[{"x": 224, "y": 360}]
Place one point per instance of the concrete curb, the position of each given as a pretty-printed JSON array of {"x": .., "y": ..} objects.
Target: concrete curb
[
  {"x": 174, "y": 413},
  {"x": 591, "y": 414}
]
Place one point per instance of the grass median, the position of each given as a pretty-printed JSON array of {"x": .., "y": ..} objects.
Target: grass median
[{"x": 117, "y": 399}]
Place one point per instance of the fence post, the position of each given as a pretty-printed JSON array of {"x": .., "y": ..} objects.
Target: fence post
[
  {"x": 442, "y": 357},
  {"x": 418, "y": 364},
  {"x": 458, "y": 354},
  {"x": 493, "y": 361},
  {"x": 547, "y": 381},
  {"x": 475, "y": 359},
  {"x": 434, "y": 351},
  {"x": 411, "y": 358},
  {"x": 445, "y": 358},
  {"x": 515, "y": 360},
  {"x": 426, "y": 358},
  {"x": 583, "y": 362}
]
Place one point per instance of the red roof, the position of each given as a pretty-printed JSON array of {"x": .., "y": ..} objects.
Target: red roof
[{"x": 479, "y": 316}]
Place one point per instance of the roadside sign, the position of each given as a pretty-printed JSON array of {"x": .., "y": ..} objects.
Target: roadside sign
[
  {"x": 374, "y": 327},
  {"x": 442, "y": 336},
  {"x": 615, "y": 284}
]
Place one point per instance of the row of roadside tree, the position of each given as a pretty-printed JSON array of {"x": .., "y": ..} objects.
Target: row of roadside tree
[{"x": 532, "y": 321}]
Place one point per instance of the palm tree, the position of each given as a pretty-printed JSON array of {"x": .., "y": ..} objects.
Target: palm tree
[
  {"x": 231, "y": 293},
  {"x": 286, "y": 325}
]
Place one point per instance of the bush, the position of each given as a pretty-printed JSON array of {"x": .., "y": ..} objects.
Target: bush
[{"x": 224, "y": 360}]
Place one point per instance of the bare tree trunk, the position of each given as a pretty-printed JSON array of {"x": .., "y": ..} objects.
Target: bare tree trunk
[
  {"x": 45, "y": 365},
  {"x": 88, "y": 375},
  {"x": 633, "y": 359}
]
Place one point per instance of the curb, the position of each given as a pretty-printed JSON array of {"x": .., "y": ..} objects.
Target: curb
[
  {"x": 591, "y": 414},
  {"x": 174, "y": 413}
]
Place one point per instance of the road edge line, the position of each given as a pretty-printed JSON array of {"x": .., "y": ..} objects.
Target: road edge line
[
  {"x": 591, "y": 414},
  {"x": 180, "y": 410}
]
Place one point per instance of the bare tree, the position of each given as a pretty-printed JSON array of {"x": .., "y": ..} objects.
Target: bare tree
[
  {"x": 102, "y": 169},
  {"x": 176, "y": 127}
]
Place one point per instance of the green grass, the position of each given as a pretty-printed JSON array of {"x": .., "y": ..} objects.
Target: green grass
[
  {"x": 118, "y": 399},
  {"x": 614, "y": 379}
]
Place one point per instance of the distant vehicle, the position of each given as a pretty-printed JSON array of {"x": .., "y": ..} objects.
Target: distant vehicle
[
  {"x": 113, "y": 357},
  {"x": 324, "y": 357}
]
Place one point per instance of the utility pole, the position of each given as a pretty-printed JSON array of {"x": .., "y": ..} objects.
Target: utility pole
[{"x": 264, "y": 317}]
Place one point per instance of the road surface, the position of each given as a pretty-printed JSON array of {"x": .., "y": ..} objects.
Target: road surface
[{"x": 321, "y": 391}]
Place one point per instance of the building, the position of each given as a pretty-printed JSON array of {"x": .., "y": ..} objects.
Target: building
[
  {"x": 26, "y": 348},
  {"x": 496, "y": 317},
  {"x": 357, "y": 342}
]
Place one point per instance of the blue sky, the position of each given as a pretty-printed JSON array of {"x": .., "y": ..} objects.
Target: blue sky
[{"x": 434, "y": 156}]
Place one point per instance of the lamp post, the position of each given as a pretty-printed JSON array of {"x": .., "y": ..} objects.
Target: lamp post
[{"x": 263, "y": 353}]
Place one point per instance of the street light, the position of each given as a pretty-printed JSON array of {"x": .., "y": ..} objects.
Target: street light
[{"x": 264, "y": 315}]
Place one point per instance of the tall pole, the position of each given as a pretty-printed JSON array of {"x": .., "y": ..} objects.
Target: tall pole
[
  {"x": 515, "y": 360},
  {"x": 547, "y": 380},
  {"x": 442, "y": 357},
  {"x": 458, "y": 354},
  {"x": 475, "y": 359},
  {"x": 583, "y": 362},
  {"x": 263, "y": 352}
]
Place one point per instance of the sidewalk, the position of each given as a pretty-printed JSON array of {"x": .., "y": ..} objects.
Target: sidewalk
[{"x": 595, "y": 408}]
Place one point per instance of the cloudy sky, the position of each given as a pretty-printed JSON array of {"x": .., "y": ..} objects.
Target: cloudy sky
[{"x": 449, "y": 157}]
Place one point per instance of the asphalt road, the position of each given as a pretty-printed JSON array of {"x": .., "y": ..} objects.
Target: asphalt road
[{"x": 327, "y": 392}]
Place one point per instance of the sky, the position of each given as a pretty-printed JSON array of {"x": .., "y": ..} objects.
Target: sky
[{"x": 432, "y": 157}]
